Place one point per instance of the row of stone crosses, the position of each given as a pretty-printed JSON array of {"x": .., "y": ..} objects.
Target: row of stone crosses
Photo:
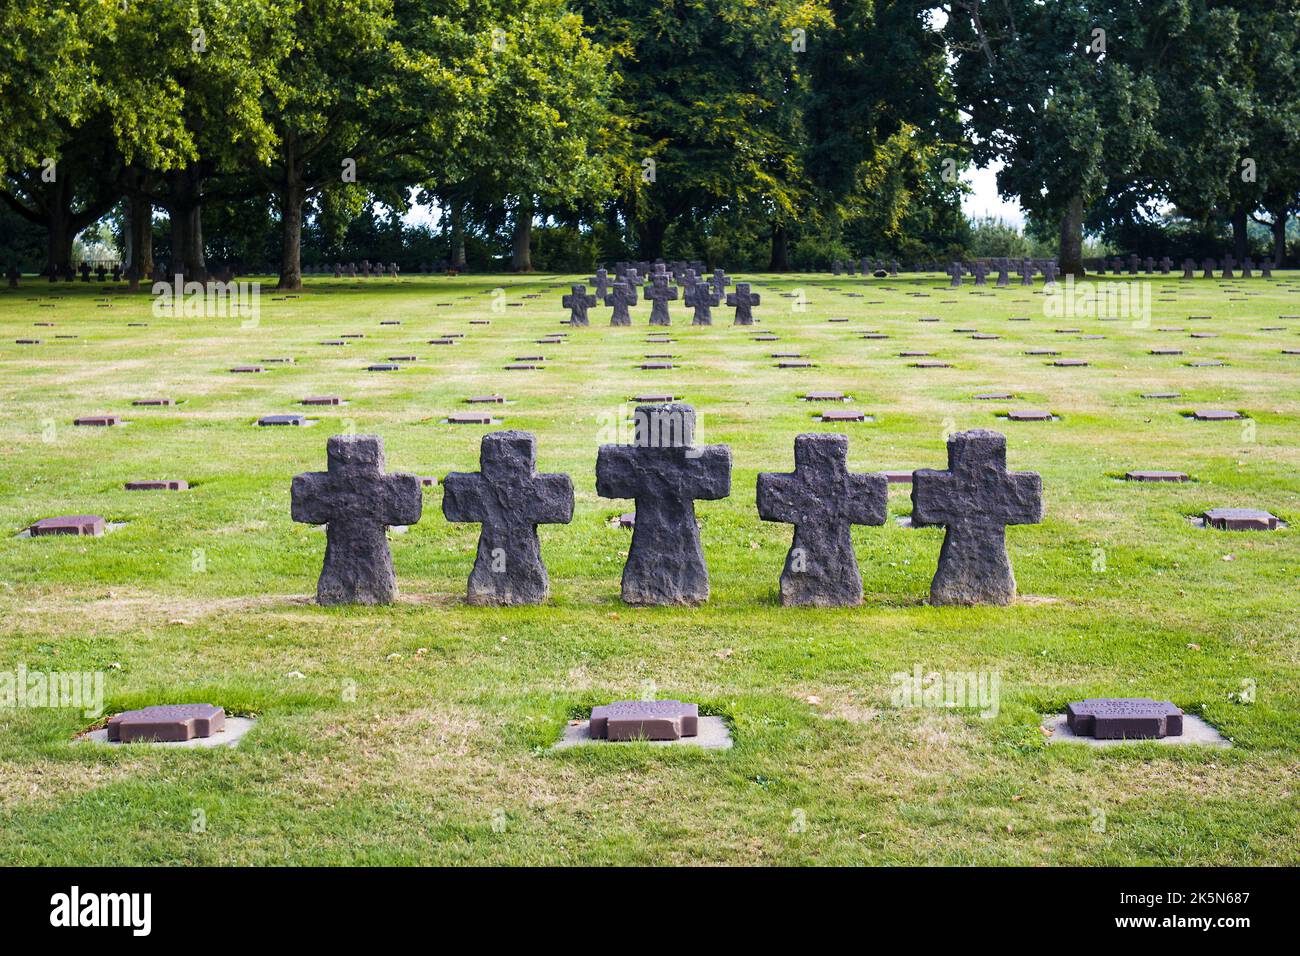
[
  {"x": 664, "y": 471},
  {"x": 699, "y": 292}
]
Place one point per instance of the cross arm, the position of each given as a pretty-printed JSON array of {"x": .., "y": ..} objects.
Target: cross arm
[
  {"x": 402, "y": 499},
  {"x": 308, "y": 498},
  {"x": 711, "y": 471},
  {"x": 464, "y": 496}
]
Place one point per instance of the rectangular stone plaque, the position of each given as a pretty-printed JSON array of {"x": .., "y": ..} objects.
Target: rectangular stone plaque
[
  {"x": 1130, "y": 718},
  {"x": 644, "y": 720},
  {"x": 69, "y": 524}
]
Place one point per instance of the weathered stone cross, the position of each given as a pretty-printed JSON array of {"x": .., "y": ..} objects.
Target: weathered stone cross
[
  {"x": 665, "y": 472},
  {"x": 601, "y": 283},
  {"x": 702, "y": 298},
  {"x": 357, "y": 501},
  {"x": 578, "y": 302},
  {"x": 720, "y": 282},
  {"x": 821, "y": 499},
  {"x": 660, "y": 294},
  {"x": 956, "y": 270},
  {"x": 621, "y": 296},
  {"x": 510, "y": 499},
  {"x": 743, "y": 300},
  {"x": 975, "y": 499}
]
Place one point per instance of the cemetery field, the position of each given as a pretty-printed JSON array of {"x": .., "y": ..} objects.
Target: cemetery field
[{"x": 422, "y": 732}]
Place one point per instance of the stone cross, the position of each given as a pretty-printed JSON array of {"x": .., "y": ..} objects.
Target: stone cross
[
  {"x": 1247, "y": 268},
  {"x": 701, "y": 298},
  {"x": 1266, "y": 269},
  {"x": 1004, "y": 273},
  {"x": 975, "y": 499},
  {"x": 837, "y": 267},
  {"x": 720, "y": 282},
  {"x": 510, "y": 499},
  {"x": 956, "y": 270},
  {"x": 981, "y": 273},
  {"x": 358, "y": 501},
  {"x": 1207, "y": 269},
  {"x": 578, "y": 302},
  {"x": 743, "y": 301},
  {"x": 621, "y": 296},
  {"x": 821, "y": 499},
  {"x": 1189, "y": 268},
  {"x": 1165, "y": 265},
  {"x": 601, "y": 282},
  {"x": 1049, "y": 272},
  {"x": 1228, "y": 263},
  {"x": 1026, "y": 272},
  {"x": 665, "y": 472},
  {"x": 660, "y": 294}
]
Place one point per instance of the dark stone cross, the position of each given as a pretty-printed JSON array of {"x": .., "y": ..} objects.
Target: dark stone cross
[
  {"x": 956, "y": 270},
  {"x": 621, "y": 296},
  {"x": 358, "y": 501},
  {"x": 660, "y": 294},
  {"x": 601, "y": 281},
  {"x": 702, "y": 299},
  {"x": 578, "y": 302},
  {"x": 975, "y": 499},
  {"x": 822, "y": 499},
  {"x": 1050, "y": 268},
  {"x": 743, "y": 301},
  {"x": 1189, "y": 268},
  {"x": 1004, "y": 274},
  {"x": 665, "y": 472},
  {"x": 720, "y": 282},
  {"x": 510, "y": 499}
]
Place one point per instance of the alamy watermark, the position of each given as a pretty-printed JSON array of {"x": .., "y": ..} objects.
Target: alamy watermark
[
  {"x": 948, "y": 690},
  {"x": 1068, "y": 299},
  {"x": 75, "y": 690},
  {"x": 208, "y": 300}
]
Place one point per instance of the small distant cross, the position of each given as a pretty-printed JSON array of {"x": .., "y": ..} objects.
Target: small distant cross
[
  {"x": 621, "y": 296},
  {"x": 720, "y": 282},
  {"x": 744, "y": 301},
  {"x": 510, "y": 499},
  {"x": 357, "y": 501},
  {"x": 956, "y": 270},
  {"x": 702, "y": 298},
  {"x": 601, "y": 282},
  {"x": 660, "y": 294},
  {"x": 975, "y": 499},
  {"x": 578, "y": 302},
  {"x": 822, "y": 499}
]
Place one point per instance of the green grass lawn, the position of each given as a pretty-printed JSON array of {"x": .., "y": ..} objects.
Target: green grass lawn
[{"x": 421, "y": 733}]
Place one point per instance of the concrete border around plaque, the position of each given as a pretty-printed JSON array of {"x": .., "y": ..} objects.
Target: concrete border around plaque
[
  {"x": 711, "y": 734},
  {"x": 1196, "y": 732},
  {"x": 235, "y": 730}
]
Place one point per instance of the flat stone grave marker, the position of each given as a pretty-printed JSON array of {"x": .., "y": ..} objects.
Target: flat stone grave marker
[
  {"x": 985, "y": 336},
  {"x": 338, "y": 342},
  {"x": 470, "y": 418},
  {"x": 166, "y": 722},
  {"x": 1069, "y": 363},
  {"x": 1129, "y": 718},
  {"x": 765, "y": 338},
  {"x": 1204, "y": 335},
  {"x": 247, "y": 369},
  {"x": 1030, "y": 415},
  {"x": 1241, "y": 519},
  {"x": 935, "y": 364},
  {"x": 100, "y": 421},
  {"x": 91, "y": 525},
  {"x": 994, "y": 396},
  {"x": 522, "y": 366},
  {"x": 442, "y": 341},
  {"x": 1214, "y": 363},
  {"x": 898, "y": 477},
  {"x": 1068, "y": 331},
  {"x": 794, "y": 363},
  {"x": 873, "y": 336},
  {"x": 269, "y": 420},
  {"x": 383, "y": 367},
  {"x": 486, "y": 400},
  {"x": 914, "y": 354},
  {"x": 824, "y": 397},
  {"x": 153, "y": 401},
  {"x": 1162, "y": 395},
  {"x": 644, "y": 720},
  {"x": 842, "y": 415},
  {"x": 1216, "y": 415},
  {"x": 1165, "y": 352},
  {"x": 278, "y": 361},
  {"x": 322, "y": 400},
  {"x": 1042, "y": 352},
  {"x": 651, "y": 366},
  {"x": 173, "y": 485},
  {"x": 27, "y": 341},
  {"x": 1155, "y": 476}
]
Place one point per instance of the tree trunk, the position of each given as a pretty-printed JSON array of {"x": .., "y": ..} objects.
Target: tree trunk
[
  {"x": 59, "y": 236},
  {"x": 650, "y": 237},
  {"x": 1240, "y": 248},
  {"x": 185, "y": 207},
  {"x": 521, "y": 255},
  {"x": 457, "y": 234},
  {"x": 139, "y": 239},
  {"x": 1279, "y": 236},
  {"x": 1072, "y": 238},
  {"x": 780, "y": 250},
  {"x": 291, "y": 202}
]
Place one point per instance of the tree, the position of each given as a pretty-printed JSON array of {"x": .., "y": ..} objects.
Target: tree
[{"x": 1055, "y": 101}]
